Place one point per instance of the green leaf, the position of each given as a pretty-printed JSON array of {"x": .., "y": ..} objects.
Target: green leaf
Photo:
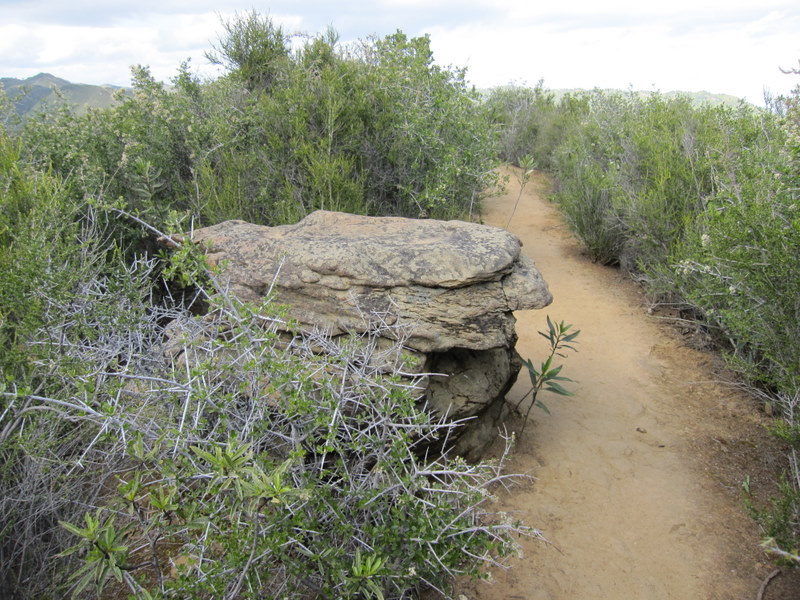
[
  {"x": 210, "y": 458},
  {"x": 73, "y": 529},
  {"x": 546, "y": 364},
  {"x": 88, "y": 577},
  {"x": 552, "y": 373},
  {"x": 534, "y": 374},
  {"x": 556, "y": 388}
]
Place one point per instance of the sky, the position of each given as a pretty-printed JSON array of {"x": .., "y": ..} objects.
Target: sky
[{"x": 735, "y": 47}]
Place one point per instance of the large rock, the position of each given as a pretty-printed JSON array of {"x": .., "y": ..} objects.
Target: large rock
[
  {"x": 453, "y": 283},
  {"x": 450, "y": 286}
]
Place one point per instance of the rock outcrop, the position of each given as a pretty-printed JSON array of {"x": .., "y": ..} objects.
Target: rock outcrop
[{"x": 449, "y": 286}]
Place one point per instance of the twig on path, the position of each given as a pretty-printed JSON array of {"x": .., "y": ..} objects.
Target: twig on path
[
  {"x": 765, "y": 583},
  {"x": 527, "y": 165},
  {"x": 551, "y": 544}
]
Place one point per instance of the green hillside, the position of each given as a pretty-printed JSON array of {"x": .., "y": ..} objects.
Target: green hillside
[
  {"x": 44, "y": 91},
  {"x": 696, "y": 98}
]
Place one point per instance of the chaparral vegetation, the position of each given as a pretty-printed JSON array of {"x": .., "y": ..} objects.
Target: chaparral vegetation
[
  {"x": 701, "y": 204},
  {"x": 235, "y": 461},
  {"x": 238, "y": 462}
]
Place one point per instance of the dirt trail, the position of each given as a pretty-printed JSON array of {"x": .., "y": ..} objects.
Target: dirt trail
[{"x": 636, "y": 475}]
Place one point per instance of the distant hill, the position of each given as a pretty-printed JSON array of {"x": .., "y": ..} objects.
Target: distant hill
[
  {"x": 44, "y": 91},
  {"x": 697, "y": 98},
  {"x": 704, "y": 97}
]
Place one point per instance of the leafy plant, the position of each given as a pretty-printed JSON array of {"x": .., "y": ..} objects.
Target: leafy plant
[
  {"x": 365, "y": 570},
  {"x": 104, "y": 552},
  {"x": 299, "y": 461},
  {"x": 530, "y": 122},
  {"x": 371, "y": 128},
  {"x": 700, "y": 204},
  {"x": 548, "y": 376},
  {"x": 208, "y": 455},
  {"x": 523, "y": 178},
  {"x": 779, "y": 521}
]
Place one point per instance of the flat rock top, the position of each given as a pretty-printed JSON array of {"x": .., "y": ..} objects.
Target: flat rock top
[
  {"x": 449, "y": 284},
  {"x": 375, "y": 251}
]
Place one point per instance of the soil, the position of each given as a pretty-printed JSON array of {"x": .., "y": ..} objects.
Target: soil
[{"x": 638, "y": 476}]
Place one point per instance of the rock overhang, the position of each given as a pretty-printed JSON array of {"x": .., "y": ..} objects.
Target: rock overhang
[{"x": 451, "y": 283}]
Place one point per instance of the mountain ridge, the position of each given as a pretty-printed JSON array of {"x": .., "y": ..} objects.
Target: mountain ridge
[
  {"x": 44, "y": 91},
  {"x": 696, "y": 98}
]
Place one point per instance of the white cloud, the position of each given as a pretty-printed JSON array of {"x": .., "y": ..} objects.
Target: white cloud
[
  {"x": 739, "y": 58},
  {"x": 13, "y": 41},
  {"x": 733, "y": 46}
]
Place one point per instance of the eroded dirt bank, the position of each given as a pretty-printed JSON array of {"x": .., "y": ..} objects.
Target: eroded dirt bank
[{"x": 638, "y": 474}]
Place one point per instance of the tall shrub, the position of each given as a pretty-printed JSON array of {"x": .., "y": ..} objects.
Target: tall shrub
[
  {"x": 532, "y": 122},
  {"x": 738, "y": 271},
  {"x": 700, "y": 203},
  {"x": 373, "y": 128},
  {"x": 167, "y": 454}
]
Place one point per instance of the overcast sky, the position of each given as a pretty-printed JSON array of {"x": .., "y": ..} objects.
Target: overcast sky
[{"x": 721, "y": 46}]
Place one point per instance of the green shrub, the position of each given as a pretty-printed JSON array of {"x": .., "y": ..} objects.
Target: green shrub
[
  {"x": 700, "y": 203},
  {"x": 738, "y": 271},
  {"x": 370, "y": 128},
  {"x": 631, "y": 171},
  {"x": 531, "y": 122},
  {"x": 218, "y": 458},
  {"x": 63, "y": 288},
  {"x": 262, "y": 468},
  {"x": 586, "y": 186},
  {"x": 651, "y": 161}
]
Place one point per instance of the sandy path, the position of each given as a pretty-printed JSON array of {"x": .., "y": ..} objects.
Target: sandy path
[{"x": 632, "y": 488}]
